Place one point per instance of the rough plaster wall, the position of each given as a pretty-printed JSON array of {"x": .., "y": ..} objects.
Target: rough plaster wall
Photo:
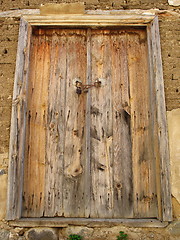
[
  {"x": 174, "y": 143},
  {"x": 3, "y": 183},
  {"x": 91, "y": 4},
  {"x": 8, "y": 47},
  {"x": 170, "y": 47},
  {"x": 169, "y": 31}
]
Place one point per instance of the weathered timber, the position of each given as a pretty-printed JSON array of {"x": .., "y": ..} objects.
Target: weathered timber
[
  {"x": 55, "y": 124},
  {"x": 87, "y": 163},
  {"x": 91, "y": 222},
  {"x": 90, "y": 20},
  {"x": 154, "y": 123},
  {"x": 101, "y": 127},
  {"x": 36, "y": 12},
  {"x": 122, "y": 147},
  {"x": 18, "y": 124},
  {"x": 34, "y": 174},
  {"x": 74, "y": 142},
  {"x": 56, "y": 145},
  {"x": 161, "y": 141},
  {"x": 143, "y": 162}
]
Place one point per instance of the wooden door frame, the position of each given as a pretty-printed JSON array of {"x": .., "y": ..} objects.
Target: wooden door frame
[{"x": 19, "y": 106}]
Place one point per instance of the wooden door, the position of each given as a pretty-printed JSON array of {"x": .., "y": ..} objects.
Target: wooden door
[{"x": 89, "y": 154}]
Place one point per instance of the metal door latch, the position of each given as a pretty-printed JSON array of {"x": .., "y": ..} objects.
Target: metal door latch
[{"x": 80, "y": 87}]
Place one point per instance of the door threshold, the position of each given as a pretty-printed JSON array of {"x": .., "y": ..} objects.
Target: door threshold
[{"x": 88, "y": 222}]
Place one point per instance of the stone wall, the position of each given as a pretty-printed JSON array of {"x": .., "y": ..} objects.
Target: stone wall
[
  {"x": 169, "y": 17},
  {"x": 93, "y": 4}
]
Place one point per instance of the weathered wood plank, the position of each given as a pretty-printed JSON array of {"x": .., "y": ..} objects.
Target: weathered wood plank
[
  {"x": 87, "y": 168},
  {"x": 23, "y": 12},
  {"x": 74, "y": 142},
  {"x": 64, "y": 222},
  {"x": 122, "y": 147},
  {"x": 141, "y": 127},
  {"x": 33, "y": 53},
  {"x": 101, "y": 127},
  {"x": 18, "y": 124},
  {"x": 154, "y": 123},
  {"x": 91, "y": 19},
  {"x": 55, "y": 124},
  {"x": 162, "y": 150},
  {"x": 34, "y": 174}
]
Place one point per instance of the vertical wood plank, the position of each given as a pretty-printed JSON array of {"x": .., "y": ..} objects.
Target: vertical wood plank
[
  {"x": 34, "y": 174},
  {"x": 18, "y": 124},
  {"x": 101, "y": 127},
  {"x": 122, "y": 147},
  {"x": 32, "y": 75},
  {"x": 154, "y": 123},
  {"x": 74, "y": 142},
  {"x": 142, "y": 146},
  {"x": 162, "y": 149},
  {"x": 87, "y": 131},
  {"x": 55, "y": 125}
]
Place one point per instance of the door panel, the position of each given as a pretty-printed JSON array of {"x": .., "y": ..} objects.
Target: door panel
[
  {"x": 56, "y": 143},
  {"x": 120, "y": 181}
]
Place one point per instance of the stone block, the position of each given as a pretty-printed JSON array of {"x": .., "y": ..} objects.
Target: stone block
[
  {"x": 13, "y": 235},
  {"x": 4, "y": 234},
  {"x": 63, "y": 8},
  {"x": 176, "y": 209},
  {"x": 174, "y": 229},
  {"x": 174, "y": 2},
  {"x": 91, "y": 2},
  {"x": 3, "y": 191},
  {"x": 82, "y": 231},
  {"x": 4, "y": 160},
  {"x": 41, "y": 234}
]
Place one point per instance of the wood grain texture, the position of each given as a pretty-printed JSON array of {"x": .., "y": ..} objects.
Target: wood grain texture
[
  {"x": 55, "y": 125},
  {"x": 88, "y": 222},
  {"x": 74, "y": 138},
  {"x": 154, "y": 123},
  {"x": 122, "y": 147},
  {"x": 125, "y": 93},
  {"x": 18, "y": 124},
  {"x": 141, "y": 128},
  {"x": 34, "y": 175},
  {"x": 56, "y": 135},
  {"x": 87, "y": 130},
  {"x": 74, "y": 20},
  {"x": 101, "y": 127},
  {"x": 162, "y": 147},
  {"x": 117, "y": 142}
]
